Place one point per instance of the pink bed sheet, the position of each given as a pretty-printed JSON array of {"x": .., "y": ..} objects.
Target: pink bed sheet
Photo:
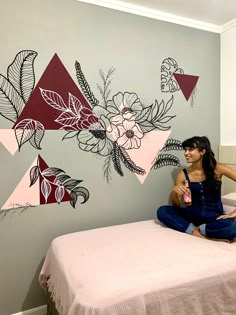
[{"x": 140, "y": 268}]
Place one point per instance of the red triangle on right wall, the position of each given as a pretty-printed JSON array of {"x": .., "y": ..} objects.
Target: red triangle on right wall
[{"x": 186, "y": 83}]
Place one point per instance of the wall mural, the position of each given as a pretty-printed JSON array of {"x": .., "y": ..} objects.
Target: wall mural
[
  {"x": 173, "y": 79},
  {"x": 44, "y": 185},
  {"x": 119, "y": 128}
]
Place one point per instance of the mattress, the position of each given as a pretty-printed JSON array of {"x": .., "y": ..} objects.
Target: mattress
[{"x": 140, "y": 268}]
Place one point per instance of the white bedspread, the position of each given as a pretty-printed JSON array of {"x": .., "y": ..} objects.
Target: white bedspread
[{"x": 140, "y": 268}]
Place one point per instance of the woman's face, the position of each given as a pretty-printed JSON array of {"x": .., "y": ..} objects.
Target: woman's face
[{"x": 193, "y": 154}]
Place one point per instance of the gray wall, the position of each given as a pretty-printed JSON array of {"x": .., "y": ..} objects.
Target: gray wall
[{"x": 97, "y": 38}]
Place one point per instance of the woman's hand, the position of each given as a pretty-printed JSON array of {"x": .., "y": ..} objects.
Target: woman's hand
[
  {"x": 231, "y": 215},
  {"x": 180, "y": 190}
]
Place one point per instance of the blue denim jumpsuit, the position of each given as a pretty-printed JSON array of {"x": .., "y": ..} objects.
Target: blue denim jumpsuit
[{"x": 206, "y": 207}]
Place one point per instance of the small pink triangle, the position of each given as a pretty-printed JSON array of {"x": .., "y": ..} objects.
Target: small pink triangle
[
  {"x": 8, "y": 139},
  {"x": 24, "y": 195}
]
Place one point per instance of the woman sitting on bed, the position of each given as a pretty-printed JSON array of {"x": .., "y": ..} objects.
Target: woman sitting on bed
[{"x": 204, "y": 215}]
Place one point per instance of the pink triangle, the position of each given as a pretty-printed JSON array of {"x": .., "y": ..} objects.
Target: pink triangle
[
  {"x": 24, "y": 195},
  {"x": 8, "y": 139},
  {"x": 57, "y": 81},
  {"x": 186, "y": 83},
  {"x": 145, "y": 156}
]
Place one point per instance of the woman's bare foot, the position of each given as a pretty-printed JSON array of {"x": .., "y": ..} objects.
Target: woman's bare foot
[{"x": 196, "y": 232}]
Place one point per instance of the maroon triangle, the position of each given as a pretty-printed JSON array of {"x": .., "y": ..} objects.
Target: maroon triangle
[
  {"x": 55, "y": 78},
  {"x": 186, "y": 83},
  {"x": 51, "y": 198}
]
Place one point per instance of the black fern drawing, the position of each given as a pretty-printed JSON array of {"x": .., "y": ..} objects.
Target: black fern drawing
[
  {"x": 129, "y": 163},
  {"x": 115, "y": 153},
  {"x": 16, "y": 88},
  {"x": 165, "y": 160},
  {"x": 85, "y": 86},
  {"x": 104, "y": 89},
  {"x": 172, "y": 144}
]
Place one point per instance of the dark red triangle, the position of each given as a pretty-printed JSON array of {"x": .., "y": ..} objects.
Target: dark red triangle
[
  {"x": 55, "y": 78},
  {"x": 51, "y": 198},
  {"x": 186, "y": 83}
]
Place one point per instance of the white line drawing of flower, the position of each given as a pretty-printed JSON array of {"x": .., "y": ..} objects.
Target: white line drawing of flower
[{"x": 124, "y": 103}]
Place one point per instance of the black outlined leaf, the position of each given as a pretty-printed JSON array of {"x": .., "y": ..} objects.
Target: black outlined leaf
[
  {"x": 21, "y": 73},
  {"x": 37, "y": 137},
  {"x": 53, "y": 99},
  {"x": 24, "y": 130},
  {"x": 74, "y": 199},
  {"x": 143, "y": 116},
  {"x": 70, "y": 134},
  {"x": 28, "y": 128},
  {"x": 52, "y": 171},
  {"x": 63, "y": 177},
  {"x": 11, "y": 103},
  {"x": 82, "y": 192},
  {"x": 46, "y": 188},
  {"x": 168, "y": 68},
  {"x": 59, "y": 193},
  {"x": 71, "y": 183},
  {"x": 147, "y": 126},
  {"x": 34, "y": 175}
]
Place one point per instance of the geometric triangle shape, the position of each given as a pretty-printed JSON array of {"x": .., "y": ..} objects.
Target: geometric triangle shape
[
  {"x": 145, "y": 155},
  {"x": 186, "y": 83},
  {"x": 56, "y": 102},
  {"x": 48, "y": 185},
  {"x": 23, "y": 194},
  {"x": 8, "y": 139}
]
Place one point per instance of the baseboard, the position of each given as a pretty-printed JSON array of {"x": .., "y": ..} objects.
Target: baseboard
[{"x": 41, "y": 310}]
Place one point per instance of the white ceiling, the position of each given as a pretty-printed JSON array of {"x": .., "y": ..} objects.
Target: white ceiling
[{"x": 218, "y": 12}]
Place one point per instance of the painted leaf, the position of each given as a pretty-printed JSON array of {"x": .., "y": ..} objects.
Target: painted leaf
[
  {"x": 82, "y": 192},
  {"x": 59, "y": 193},
  {"x": 11, "y": 103},
  {"x": 68, "y": 119},
  {"x": 143, "y": 116},
  {"x": 74, "y": 199},
  {"x": 24, "y": 130},
  {"x": 52, "y": 171},
  {"x": 74, "y": 104},
  {"x": 53, "y": 99},
  {"x": 46, "y": 189},
  {"x": 21, "y": 73},
  {"x": 70, "y": 134},
  {"x": 34, "y": 175},
  {"x": 71, "y": 183},
  {"x": 168, "y": 68},
  {"x": 63, "y": 177},
  {"x": 38, "y": 135}
]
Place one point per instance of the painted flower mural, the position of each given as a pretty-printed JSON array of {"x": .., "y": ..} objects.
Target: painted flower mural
[{"x": 119, "y": 127}]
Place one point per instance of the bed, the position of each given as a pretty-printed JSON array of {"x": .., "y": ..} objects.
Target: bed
[{"x": 139, "y": 268}]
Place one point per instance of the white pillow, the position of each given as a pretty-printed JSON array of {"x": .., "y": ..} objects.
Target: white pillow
[
  {"x": 228, "y": 209},
  {"x": 229, "y": 202}
]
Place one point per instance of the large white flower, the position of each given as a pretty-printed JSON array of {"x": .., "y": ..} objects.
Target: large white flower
[
  {"x": 128, "y": 135},
  {"x": 124, "y": 103}
]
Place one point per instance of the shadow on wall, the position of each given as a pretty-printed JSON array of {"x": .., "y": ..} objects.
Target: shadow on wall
[{"x": 35, "y": 296}]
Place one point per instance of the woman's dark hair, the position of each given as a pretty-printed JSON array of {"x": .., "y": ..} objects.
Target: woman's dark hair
[{"x": 208, "y": 160}]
